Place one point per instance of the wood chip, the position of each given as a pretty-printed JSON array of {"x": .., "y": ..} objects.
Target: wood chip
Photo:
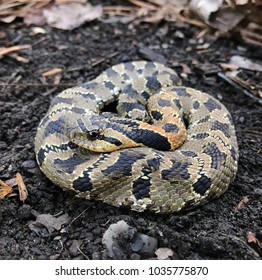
[
  {"x": 4, "y": 51},
  {"x": 52, "y": 72},
  {"x": 242, "y": 203},
  {"x": 21, "y": 187},
  {"x": 4, "y": 189}
]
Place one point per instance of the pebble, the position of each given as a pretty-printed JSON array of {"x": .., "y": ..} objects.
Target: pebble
[
  {"x": 135, "y": 256},
  {"x": 29, "y": 164},
  {"x": 24, "y": 212},
  {"x": 143, "y": 243},
  {"x": 241, "y": 119},
  {"x": 73, "y": 249}
]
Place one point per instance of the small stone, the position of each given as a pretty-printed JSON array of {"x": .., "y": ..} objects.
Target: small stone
[
  {"x": 29, "y": 164},
  {"x": 143, "y": 243},
  {"x": 73, "y": 249},
  {"x": 241, "y": 119},
  {"x": 135, "y": 256},
  {"x": 96, "y": 256},
  {"x": 24, "y": 212}
]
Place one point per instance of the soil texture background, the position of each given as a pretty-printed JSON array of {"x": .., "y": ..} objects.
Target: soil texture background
[{"x": 215, "y": 231}]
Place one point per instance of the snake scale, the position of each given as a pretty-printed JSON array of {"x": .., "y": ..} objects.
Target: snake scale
[{"x": 135, "y": 137}]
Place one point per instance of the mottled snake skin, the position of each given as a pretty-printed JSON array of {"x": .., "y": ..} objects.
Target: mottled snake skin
[{"x": 143, "y": 172}]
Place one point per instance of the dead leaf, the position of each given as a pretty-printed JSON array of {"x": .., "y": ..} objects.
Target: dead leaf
[
  {"x": 4, "y": 189},
  {"x": 49, "y": 221},
  {"x": 21, "y": 187},
  {"x": 242, "y": 203},
  {"x": 251, "y": 238},
  {"x": 53, "y": 71},
  {"x": 243, "y": 62},
  {"x": 217, "y": 15},
  {"x": 71, "y": 15},
  {"x": 164, "y": 253},
  {"x": 204, "y": 8}
]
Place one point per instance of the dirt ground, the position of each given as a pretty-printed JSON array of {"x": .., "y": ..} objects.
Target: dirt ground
[{"x": 215, "y": 231}]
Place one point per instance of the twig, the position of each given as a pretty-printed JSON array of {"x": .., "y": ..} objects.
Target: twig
[{"x": 234, "y": 84}]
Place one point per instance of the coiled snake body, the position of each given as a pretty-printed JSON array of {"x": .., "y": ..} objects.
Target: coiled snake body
[{"x": 165, "y": 148}]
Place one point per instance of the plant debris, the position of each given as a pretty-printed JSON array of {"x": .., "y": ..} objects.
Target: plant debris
[
  {"x": 21, "y": 187},
  {"x": 4, "y": 189}
]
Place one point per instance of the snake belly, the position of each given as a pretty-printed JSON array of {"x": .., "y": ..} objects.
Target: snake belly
[{"x": 141, "y": 178}]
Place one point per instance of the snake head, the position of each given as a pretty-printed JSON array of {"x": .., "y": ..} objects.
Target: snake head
[{"x": 94, "y": 133}]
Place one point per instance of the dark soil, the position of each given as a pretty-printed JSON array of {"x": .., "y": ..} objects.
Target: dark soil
[{"x": 214, "y": 231}]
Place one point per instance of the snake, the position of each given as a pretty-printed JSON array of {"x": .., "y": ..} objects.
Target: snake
[{"x": 135, "y": 137}]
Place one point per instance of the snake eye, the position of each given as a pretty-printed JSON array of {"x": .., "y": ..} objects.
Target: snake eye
[{"x": 93, "y": 134}]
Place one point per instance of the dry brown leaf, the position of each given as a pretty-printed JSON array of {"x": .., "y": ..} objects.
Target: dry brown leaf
[
  {"x": 4, "y": 189},
  {"x": 52, "y": 72},
  {"x": 251, "y": 238},
  {"x": 242, "y": 203},
  {"x": 21, "y": 187},
  {"x": 72, "y": 15}
]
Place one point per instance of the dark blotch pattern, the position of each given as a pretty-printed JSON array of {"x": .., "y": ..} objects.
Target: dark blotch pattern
[
  {"x": 202, "y": 185},
  {"x": 153, "y": 84},
  {"x": 82, "y": 125},
  {"x": 205, "y": 119},
  {"x": 125, "y": 76},
  {"x": 217, "y": 157},
  {"x": 42, "y": 152},
  {"x": 200, "y": 135},
  {"x": 163, "y": 102},
  {"x": 178, "y": 171},
  {"x": 79, "y": 111},
  {"x": 89, "y": 96},
  {"x": 212, "y": 105},
  {"x": 189, "y": 153},
  {"x": 157, "y": 115},
  {"x": 56, "y": 126},
  {"x": 130, "y": 106},
  {"x": 72, "y": 145},
  {"x": 145, "y": 94},
  {"x": 129, "y": 66},
  {"x": 196, "y": 104},
  {"x": 150, "y": 65},
  {"x": 130, "y": 91},
  {"x": 170, "y": 127},
  {"x": 112, "y": 140},
  {"x": 41, "y": 156},
  {"x": 149, "y": 138},
  {"x": 91, "y": 85},
  {"x": 109, "y": 85},
  {"x": 224, "y": 127},
  {"x": 233, "y": 153},
  {"x": 141, "y": 188},
  {"x": 124, "y": 163},
  {"x": 177, "y": 103},
  {"x": 69, "y": 164},
  {"x": 60, "y": 100},
  {"x": 181, "y": 91},
  {"x": 83, "y": 183},
  {"x": 111, "y": 73}
]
